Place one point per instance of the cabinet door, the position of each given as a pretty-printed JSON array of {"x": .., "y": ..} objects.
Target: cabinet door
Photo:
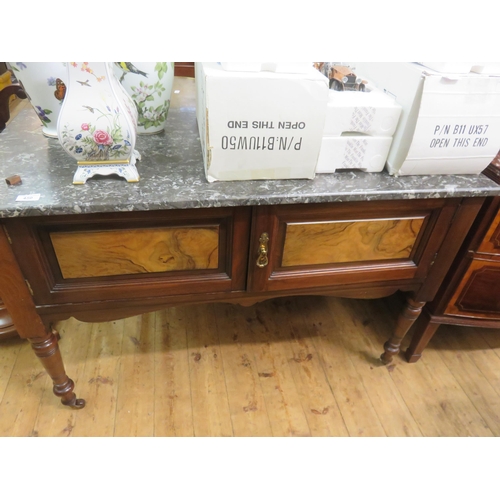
[
  {"x": 334, "y": 245},
  {"x": 478, "y": 294},
  {"x": 132, "y": 255}
]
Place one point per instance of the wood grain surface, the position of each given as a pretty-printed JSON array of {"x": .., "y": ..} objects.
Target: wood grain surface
[
  {"x": 135, "y": 251},
  {"x": 349, "y": 241}
]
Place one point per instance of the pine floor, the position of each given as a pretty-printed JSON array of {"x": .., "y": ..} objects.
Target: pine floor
[{"x": 300, "y": 366}]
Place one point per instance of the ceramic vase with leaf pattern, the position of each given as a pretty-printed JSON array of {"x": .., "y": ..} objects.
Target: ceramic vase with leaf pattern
[{"x": 150, "y": 86}]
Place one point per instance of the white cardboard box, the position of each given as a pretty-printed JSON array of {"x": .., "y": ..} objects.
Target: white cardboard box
[
  {"x": 486, "y": 68},
  {"x": 372, "y": 113},
  {"x": 449, "y": 67},
  {"x": 361, "y": 152},
  {"x": 241, "y": 66},
  {"x": 279, "y": 67},
  {"x": 259, "y": 125},
  {"x": 358, "y": 130},
  {"x": 450, "y": 124}
]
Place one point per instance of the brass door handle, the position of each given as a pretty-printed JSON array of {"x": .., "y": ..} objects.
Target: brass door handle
[{"x": 262, "y": 259}]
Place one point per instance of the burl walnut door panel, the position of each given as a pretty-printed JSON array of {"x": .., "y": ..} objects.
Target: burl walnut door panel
[
  {"x": 133, "y": 255},
  {"x": 316, "y": 243},
  {"x": 115, "y": 252},
  {"x": 346, "y": 243}
]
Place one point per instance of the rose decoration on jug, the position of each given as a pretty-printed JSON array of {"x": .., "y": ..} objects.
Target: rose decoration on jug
[{"x": 98, "y": 123}]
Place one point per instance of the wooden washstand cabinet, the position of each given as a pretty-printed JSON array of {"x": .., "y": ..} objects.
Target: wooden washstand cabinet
[{"x": 109, "y": 250}]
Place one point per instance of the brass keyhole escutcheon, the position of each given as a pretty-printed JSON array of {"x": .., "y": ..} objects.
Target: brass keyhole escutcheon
[{"x": 262, "y": 259}]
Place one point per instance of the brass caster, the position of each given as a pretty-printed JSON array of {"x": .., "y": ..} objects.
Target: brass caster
[{"x": 75, "y": 403}]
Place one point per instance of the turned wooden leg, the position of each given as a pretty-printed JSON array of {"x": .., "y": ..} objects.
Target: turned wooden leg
[
  {"x": 29, "y": 325},
  {"x": 409, "y": 314},
  {"x": 47, "y": 350},
  {"x": 424, "y": 331}
]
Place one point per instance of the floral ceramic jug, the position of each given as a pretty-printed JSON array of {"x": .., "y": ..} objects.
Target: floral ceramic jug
[{"x": 98, "y": 122}]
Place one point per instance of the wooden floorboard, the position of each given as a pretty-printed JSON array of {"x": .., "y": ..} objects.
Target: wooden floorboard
[
  {"x": 299, "y": 366},
  {"x": 173, "y": 412},
  {"x": 135, "y": 404},
  {"x": 209, "y": 396},
  {"x": 320, "y": 406},
  {"x": 99, "y": 380},
  {"x": 22, "y": 397},
  {"x": 362, "y": 337},
  {"x": 246, "y": 398}
]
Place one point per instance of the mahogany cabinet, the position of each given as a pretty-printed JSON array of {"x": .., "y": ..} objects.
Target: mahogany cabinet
[
  {"x": 99, "y": 267},
  {"x": 470, "y": 294},
  {"x": 113, "y": 250}
]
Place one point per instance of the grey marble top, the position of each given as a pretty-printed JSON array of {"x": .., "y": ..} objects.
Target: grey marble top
[{"x": 172, "y": 175}]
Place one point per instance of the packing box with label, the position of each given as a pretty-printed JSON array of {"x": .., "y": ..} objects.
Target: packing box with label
[
  {"x": 371, "y": 112},
  {"x": 360, "y": 152},
  {"x": 488, "y": 68},
  {"x": 359, "y": 126},
  {"x": 449, "y": 67},
  {"x": 259, "y": 125},
  {"x": 449, "y": 124},
  {"x": 279, "y": 67}
]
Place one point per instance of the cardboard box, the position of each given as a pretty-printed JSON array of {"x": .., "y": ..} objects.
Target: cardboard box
[
  {"x": 360, "y": 121},
  {"x": 372, "y": 113},
  {"x": 279, "y": 67},
  {"x": 358, "y": 130},
  {"x": 449, "y": 67},
  {"x": 359, "y": 152},
  {"x": 241, "y": 66},
  {"x": 486, "y": 68},
  {"x": 259, "y": 125},
  {"x": 449, "y": 124}
]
